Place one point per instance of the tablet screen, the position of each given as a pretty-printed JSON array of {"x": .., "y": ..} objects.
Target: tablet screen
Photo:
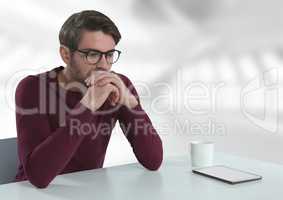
[{"x": 227, "y": 174}]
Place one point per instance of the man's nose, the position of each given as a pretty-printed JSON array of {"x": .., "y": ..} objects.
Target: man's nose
[{"x": 103, "y": 64}]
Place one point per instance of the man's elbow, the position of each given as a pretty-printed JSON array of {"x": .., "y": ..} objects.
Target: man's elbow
[
  {"x": 154, "y": 160},
  {"x": 38, "y": 180},
  {"x": 40, "y": 183}
]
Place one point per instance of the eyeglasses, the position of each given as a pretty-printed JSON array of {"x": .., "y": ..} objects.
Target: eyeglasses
[{"x": 93, "y": 56}]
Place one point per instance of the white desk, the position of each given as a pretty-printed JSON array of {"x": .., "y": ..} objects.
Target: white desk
[{"x": 173, "y": 181}]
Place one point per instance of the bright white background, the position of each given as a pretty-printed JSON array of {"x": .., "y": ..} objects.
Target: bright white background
[{"x": 221, "y": 45}]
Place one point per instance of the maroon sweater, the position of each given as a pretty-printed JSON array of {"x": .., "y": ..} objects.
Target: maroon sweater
[{"x": 53, "y": 139}]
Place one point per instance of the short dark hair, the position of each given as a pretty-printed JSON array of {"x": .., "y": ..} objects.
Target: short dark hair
[{"x": 90, "y": 20}]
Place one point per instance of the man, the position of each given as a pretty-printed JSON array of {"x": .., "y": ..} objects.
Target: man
[{"x": 65, "y": 116}]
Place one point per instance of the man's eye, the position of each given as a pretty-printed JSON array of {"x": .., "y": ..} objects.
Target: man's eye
[{"x": 110, "y": 54}]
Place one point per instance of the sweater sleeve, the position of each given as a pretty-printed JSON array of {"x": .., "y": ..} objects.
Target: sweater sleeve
[
  {"x": 43, "y": 153},
  {"x": 139, "y": 131}
]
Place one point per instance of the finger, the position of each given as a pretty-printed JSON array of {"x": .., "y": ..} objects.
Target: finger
[
  {"x": 111, "y": 99},
  {"x": 87, "y": 82},
  {"x": 105, "y": 81},
  {"x": 101, "y": 77},
  {"x": 104, "y": 74},
  {"x": 94, "y": 79},
  {"x": 115, "y": 90},
  {"x": 113, "y": 82},
  {"x": 115, "y": 99},
  {"x": 90, "y": 77},
  {"x": 116, "y": 96},
  {"x": 119, "y": 94}
]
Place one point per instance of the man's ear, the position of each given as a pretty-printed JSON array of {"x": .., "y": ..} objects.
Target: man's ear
[{"x": 65, "y": 54}]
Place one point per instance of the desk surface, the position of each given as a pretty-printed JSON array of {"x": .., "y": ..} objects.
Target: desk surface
[{"x": 174, "y": 180}]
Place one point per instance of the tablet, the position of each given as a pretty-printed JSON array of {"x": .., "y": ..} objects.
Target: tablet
[{"x": 227, "y": 174}]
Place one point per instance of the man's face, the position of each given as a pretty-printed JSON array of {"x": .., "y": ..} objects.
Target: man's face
[{"x": 79, "y": 67}]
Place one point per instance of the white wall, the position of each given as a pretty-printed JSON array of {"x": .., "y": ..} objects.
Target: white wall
[{"x": 216, "y": 48}]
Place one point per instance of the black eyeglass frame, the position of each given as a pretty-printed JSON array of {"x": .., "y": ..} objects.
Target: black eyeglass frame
[{"x": 86, "y": 53}]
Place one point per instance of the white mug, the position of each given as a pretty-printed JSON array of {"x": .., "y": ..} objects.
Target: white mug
[{"x": 202, "y": 153}]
